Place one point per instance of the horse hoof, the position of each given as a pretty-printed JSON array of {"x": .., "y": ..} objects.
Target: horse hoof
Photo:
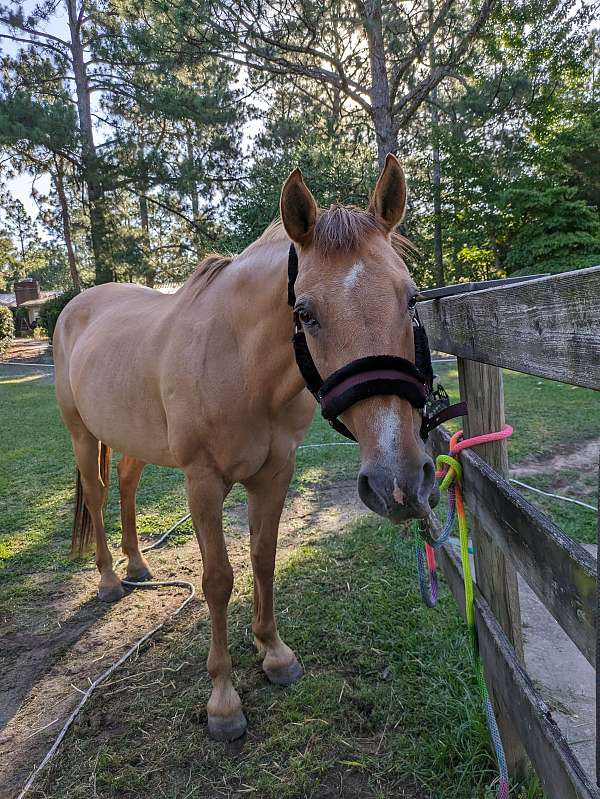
[
  {"x": 227, "y": 728},
  {"x": 285, "y": 675},
  {"x": 139, "y": 576},
  {"x": 111, "y": 594}
]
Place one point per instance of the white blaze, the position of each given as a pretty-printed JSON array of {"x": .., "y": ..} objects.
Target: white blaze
[
  {"x": 388, "y": 424},
  {"x": 354, "y": 274}
]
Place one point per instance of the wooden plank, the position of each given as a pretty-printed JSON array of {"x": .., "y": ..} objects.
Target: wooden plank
[
  {"x": 548, "y": 327},
  {"x": 560, "y": 572},
  {"x": 560, "y": 773},
  {"x": 496, "y": 576}
]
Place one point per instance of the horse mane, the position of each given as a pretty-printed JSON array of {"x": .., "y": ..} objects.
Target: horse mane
[{"x": 211, "y": 265}]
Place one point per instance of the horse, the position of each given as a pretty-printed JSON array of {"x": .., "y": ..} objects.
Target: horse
[{"x": 206, "y": 380}]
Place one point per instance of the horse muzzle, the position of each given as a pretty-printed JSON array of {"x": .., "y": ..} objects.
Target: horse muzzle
[{"x": 399, "y": 493}]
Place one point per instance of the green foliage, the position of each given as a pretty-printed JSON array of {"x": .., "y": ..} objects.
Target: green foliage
[
  {"x": 50, "y": 311},
  {"x": 7, "y": 329},
  {"x": 172, "y": 183},
  {"x": 49, "y": 267},
  {"x": 328, "y": 171},
  {"x": 551, "y": 231},
  {"x": 38, "y": 122}
]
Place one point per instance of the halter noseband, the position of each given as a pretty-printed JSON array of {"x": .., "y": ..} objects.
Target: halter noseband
[{"x": 376, "y": 375}]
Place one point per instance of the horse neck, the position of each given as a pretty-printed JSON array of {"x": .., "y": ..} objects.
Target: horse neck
[{"x": 251, "y": 293}]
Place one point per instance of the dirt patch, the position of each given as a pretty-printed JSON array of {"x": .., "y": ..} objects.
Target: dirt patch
[
  {"x": 30, "y": 350},
  {"x": 55, "y": 647},
  {"x": 348, "y": 784},
  {"x": 571, "y": 457}
]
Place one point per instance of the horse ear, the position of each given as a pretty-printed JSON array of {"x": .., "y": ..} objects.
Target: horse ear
[
  {"x": 388, "y": 202},
  {"x": 298, "y": 209}
]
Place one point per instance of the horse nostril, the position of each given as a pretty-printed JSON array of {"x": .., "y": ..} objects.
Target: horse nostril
[
  {"x": 363, "y": 483},
  {"x": 428, "y": 472},
  {"x": 370, "y": 493}
]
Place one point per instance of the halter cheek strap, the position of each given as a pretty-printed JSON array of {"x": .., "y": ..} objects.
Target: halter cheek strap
[{"x": 376, "y": 375}]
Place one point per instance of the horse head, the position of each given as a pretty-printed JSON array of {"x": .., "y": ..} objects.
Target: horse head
[{"x": 354, "y": 304}]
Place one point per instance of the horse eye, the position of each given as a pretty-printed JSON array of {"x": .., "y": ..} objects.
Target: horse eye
[{"x": 306, "y": 317}]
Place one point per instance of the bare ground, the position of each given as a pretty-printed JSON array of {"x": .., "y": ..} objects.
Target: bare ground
[
  {"x": 55, "y": 646},
  {"x": 30, "y": 350},
  {"x": 571, "y": 456}
]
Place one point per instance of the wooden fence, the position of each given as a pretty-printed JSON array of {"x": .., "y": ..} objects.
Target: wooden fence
[{"x": 550, "y": 328}]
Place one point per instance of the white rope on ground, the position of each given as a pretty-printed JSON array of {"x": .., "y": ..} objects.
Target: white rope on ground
[
  {"x": 24, "y": 363},
  {"x": 135, "y": 648},
  {"x": 329, "y": 444},
  {"x": 554, "y": 496}
]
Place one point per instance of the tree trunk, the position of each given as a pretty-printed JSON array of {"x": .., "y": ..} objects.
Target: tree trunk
[
  {"x": 387, "y": 140},
  {"x": 437, "y": 194},
  {"x": 91, "y": 167},
  {"x": 64, "y": 211},
  {"x": 149, "y": 272},
  {"x": 193, "y": 195},
  {"x": 437, "y": 172}
]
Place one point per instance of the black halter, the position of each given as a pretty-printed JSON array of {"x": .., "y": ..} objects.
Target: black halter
[{"x": 373, "y": 376}]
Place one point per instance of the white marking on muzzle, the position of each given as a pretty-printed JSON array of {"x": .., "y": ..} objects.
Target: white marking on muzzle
[
  {"x": 388, "y": 424},
  {"x": 398, "y": 493},
  {"x": 353, "y": 275}
]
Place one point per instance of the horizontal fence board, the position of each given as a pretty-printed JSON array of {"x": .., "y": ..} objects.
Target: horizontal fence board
[
  {"x": 548, "y": 327},
  {"x": 561, "y": 774},
  {"x": 560, "y": 572}
]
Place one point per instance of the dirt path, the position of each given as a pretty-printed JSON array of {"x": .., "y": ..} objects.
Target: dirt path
[
  {"x": 30, "y": 350},
  {"x": 50, "y": 653},
  {"x": 573, "y": 456}
]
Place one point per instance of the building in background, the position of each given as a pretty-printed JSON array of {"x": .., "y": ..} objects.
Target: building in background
[{"x": 27, "y": 296}]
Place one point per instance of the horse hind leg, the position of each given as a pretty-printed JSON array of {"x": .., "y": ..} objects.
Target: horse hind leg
[
  {"x": 130, "y": 471},
  {"x": 93, "y": 463}
]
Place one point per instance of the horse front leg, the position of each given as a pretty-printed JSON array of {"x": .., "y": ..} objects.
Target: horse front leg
[
  {"x": 206, "y": 493},
  {"x": 266, "y": 495}
]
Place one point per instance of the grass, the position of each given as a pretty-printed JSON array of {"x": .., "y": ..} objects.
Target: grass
[{"x": 388, "y": 692}]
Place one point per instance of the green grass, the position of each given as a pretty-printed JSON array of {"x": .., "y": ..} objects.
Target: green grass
[{"x": 388, "y": 702}]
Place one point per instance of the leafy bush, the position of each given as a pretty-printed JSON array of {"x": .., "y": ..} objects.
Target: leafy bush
[
  {"x": 7, "y": 329},
  {"x": 50, "y": 311}
]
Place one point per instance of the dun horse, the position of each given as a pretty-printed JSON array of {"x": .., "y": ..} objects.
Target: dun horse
[{"x": 206, "y": 380}]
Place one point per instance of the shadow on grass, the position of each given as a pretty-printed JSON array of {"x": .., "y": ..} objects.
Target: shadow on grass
[
  {"x": 388, "y": 706},
  {"x": 27, "y": 657}
]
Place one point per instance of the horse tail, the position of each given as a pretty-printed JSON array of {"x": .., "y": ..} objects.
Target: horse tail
[{"x": 82, "y": 540}]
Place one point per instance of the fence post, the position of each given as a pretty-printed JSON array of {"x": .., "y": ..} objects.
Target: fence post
[
  {"x": 482, "y": 387},
  {"x": 598, "y": 639}
]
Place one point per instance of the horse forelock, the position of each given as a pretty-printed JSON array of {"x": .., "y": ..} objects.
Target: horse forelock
[{"x": 340, "y": 228}]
